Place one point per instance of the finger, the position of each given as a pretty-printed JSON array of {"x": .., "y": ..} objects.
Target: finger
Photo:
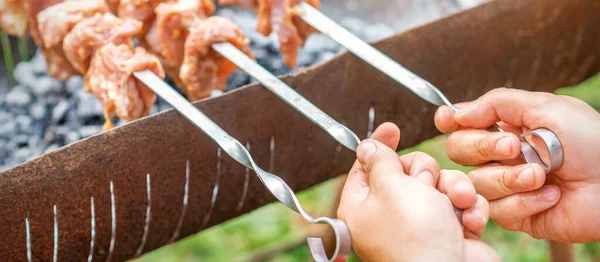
[
  {"x": 478, "y": 251},
  {"x": 422, "y": 166},
  {"x": 513, "y": 106},
  {"x": 379, "y": 161},
  {"x": 459, "y": 189},
  {"x": 444, "y": 118},
  {"x": 356, "y": 188},
  {"x": 388, "y": 134},
  {"x": 511, "y": 211},
  {"x": 494, "y": 182},
  {"x": 474, "y": 147},
  {"x": 475, "y": 218}
]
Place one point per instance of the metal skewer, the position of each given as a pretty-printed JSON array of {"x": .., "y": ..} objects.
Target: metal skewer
[
  {"x": 240, "y": 154},
  {"x": 338, "y": 131},
  {"x": 418, "y": 85}
]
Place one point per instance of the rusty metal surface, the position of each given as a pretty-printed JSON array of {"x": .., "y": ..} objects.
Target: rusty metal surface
[{"x": 535, "y": 45}]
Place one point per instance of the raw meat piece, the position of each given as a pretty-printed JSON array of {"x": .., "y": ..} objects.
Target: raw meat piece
[
  {"x": 87, "y": 36},
  {"x": 110, "y": 78},
  {"x": 204, "y": 70}
]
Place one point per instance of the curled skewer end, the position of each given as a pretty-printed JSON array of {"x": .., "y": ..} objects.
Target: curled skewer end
[{"x": 343, "y": 242}]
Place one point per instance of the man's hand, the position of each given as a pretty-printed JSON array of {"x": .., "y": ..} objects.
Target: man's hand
[
  {"x": 395, "y": 209},
  {"x": 563, "y": 206}
]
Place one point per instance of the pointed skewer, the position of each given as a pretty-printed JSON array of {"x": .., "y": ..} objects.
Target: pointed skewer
[
  {"x": 239, "y": 153},
  {"x": 418, "y": 85},
  {"x": 338, "y": 131}
]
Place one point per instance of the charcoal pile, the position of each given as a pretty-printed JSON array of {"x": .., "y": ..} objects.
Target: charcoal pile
[{"x": 40, "y": 113}]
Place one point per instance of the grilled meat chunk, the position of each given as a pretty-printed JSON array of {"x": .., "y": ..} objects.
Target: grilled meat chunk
[
  {"x": 204, "y": 70},
  {"x": 34, "y": 7},
  {"x": 110, "y": 78},
  {"x": 55, "y": 22},
  {"x": 90, "y": 34},
  {"x": 141, "y": 10},
  {"x": 167, "y": 35},
  {"x": 280, "y": 17},
  {"x": 13, "y": 17}
]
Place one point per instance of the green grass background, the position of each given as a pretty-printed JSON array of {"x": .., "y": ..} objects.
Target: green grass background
[{"x": 274, "y": 227}]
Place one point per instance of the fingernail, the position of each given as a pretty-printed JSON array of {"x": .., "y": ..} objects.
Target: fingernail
[
  {"x": 526, "y": 176},
  {"x": 365, "y": 151},
  {"x": 479, "y": 213},
  {"x": 550, "y": 193},
  {"x": 504, "y": 146},
  {"x": 425, "y": 177},
  {"x": 463, "y": 110}
]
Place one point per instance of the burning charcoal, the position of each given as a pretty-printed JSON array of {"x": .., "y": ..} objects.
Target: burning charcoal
[
  {"x": 34, "y": 141},
  {"x": 37, "y": 110},
  {"x": 51, "y": 148},
  {"x": 73, "y": 118},
  {"x": 38, "y": 64},
  {"x": 7, "y": 129},
  {"x": 46, "y": 85},
  {"x": 261, "y": 54},
  {"x": 21, "y": 140},
  {"x": 319, "y": 43},
  {"x": 325, "y": 56},
  {"x": 24, "y": 124},
  {"x": 18, "y": 97},
  {"x": 71, "y": 137},
  {"x": 88, "y": 131},
  {"x": 59, "y": 111},
  {"x": 354, "y": 25},
  {"x": 5, "y": 117},
  {"x": 236, "y": 80},
  {"x": 258, "y": 41},
  {"x": 73, "y": 84},
  {"x": 23, "y": 74},
  {"x": 378, "y": 31},
  {"x": 21, "y": 155},
  {"x": 87, "y": 105}
]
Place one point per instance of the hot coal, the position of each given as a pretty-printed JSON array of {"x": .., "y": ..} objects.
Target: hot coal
[{"x": 41, "y": 114}]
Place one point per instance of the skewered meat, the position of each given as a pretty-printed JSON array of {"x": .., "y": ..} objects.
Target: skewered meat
[
  {"x": 88, "y": 35},
  {"x": 113, "y": 5},
  {"x": 250, "y": 4},
  {"x": 203, "y": 69},
  {"x": 58, "y": 65},
  {"x": 54, "y": 24},
  {"x": 13, "y": 17},
  {"x": 167, "y": 35},
  {"x": 34, "y": 7},
  {"x": 171, "y": 28},
  {"x": 110, "y": 78},
  {"x": 56, "y": 21},
  {"x": 140, "y": 10},
  {"x": 279, "y": 16}
]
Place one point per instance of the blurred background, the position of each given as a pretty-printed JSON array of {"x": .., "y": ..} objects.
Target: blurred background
[{"x": 41, "y": 119}]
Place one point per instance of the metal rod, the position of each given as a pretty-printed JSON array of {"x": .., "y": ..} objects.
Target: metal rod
[
  {"x": 338, "y": 131},
  {"x": 237, "y": 151},
  {"x": 368, "y": 53}
]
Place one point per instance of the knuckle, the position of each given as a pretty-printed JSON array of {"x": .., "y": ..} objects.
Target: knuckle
[{"x": 483, "y": 147}]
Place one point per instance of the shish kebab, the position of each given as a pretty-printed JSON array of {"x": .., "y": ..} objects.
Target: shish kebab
[
  {"x": 232, "y": 53},
  {"x": 102, "y": 50},
  {"x": 308, "y": 13}
]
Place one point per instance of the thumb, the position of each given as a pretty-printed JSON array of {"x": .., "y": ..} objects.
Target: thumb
[
  {"x": 379, "y": 162},
  {"x": 512, "y": 106}
]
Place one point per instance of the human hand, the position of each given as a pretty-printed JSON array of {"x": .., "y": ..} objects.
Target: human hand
[
  {"x": 562, "y": 206},
  {"x": 395, "y": 211}
]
